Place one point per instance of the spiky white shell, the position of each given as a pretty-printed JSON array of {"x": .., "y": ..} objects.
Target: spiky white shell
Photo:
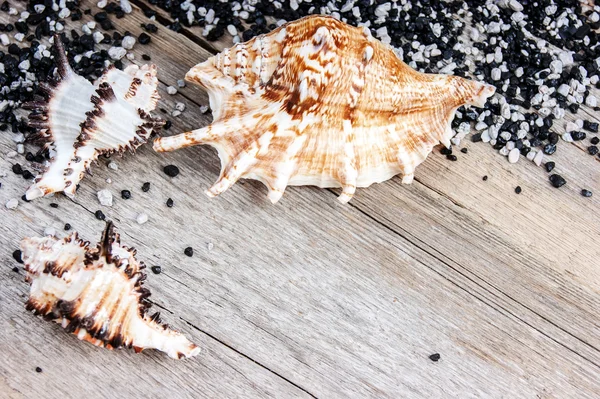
[
  {"x": 96, "y": 293},
  {"x": 81, "y": 120},
  {"x": 319, "y": 102}
]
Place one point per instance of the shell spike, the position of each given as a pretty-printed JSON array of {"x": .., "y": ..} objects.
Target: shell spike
[
  {"x": 204, "y": 135},
  {"x": 62, "y": 63},
  {"x": 471, "y": 92},
  {"x": 236, "y": 169}
]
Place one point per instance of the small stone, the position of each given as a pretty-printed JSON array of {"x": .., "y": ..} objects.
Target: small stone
[
  {"x": 484, "y": 178},
  {"x": 435, "y": 357},
  {"x": 99, "y": 215},
  {"x": 180, "y": 107},
  {"x": 557, "y": 180},
  {"x": 116, "y": 53},
  {"x": 549, "y": 149},
  {"x": 171, "y": 170},
  {"x": 144, "y": 38},
  {"x": 18, "y": 256},
  {"x": 113, "y": 165},
  {"x": 67, "y": 226},
  {"x": 156, "y": 269},
  {"x": 204, "y": 109},
  {"x": 105, "y": 197},
  {"x": 125, "y": 194},
  {"x": 171, "y": 90},
  {"x": 181, "y": 83},
  {"x": 513, "y": 155},
  {"x": 210, "y": 246},
  {"x": 189, "y": 251},
  {"x": 38, "y": 370},
  {"x": 170, "y": 203},
  {"x": 146, "y": 187},
  {"x": 549, "y": 166},
  {"x": 518, "y": 190},
  {"x": 12, "y": 203},
  {"x": 128, "y": 42},
  {"x": 586, "y": 193},
  {"x": 142, "y": 218}
]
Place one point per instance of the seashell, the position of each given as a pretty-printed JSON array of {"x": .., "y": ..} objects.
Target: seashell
[
  {"x": 96, "y": 293},
  {"x": 319, "y": 102},
  {"x": 81, "y": 121}
]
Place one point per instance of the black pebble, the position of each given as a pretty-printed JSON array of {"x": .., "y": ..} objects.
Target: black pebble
[
  {"x": 27, "y": 175},
  {"x": 549, "y": 166},
  {"x": 15, "y": 269},
  {"x": 17, "y": 256},
  {"x": 577, "y": 136},
  {"x": 156, "y": 269},
  {"x": 464, "y": 150},
  {"x": 518, "y": 190},
  {"x": 593, "y": 150},
  {"x": 144, "y": 38},
  {"x": 24, "y": 198},
  {"x": 189, "y": 251},
  {"x": 171, "y": 170},
  {"x": 557, "y": 180},
  {"x": 595, "y": 140},
  {"x": 170, "y": 203},
  {"x": 549, "y": 149},
  {"x": 435, "y": 357},
  {"x": 53, "y": 205},
  {"x": 38, "y": 369},
  {"x": 17, "y": 169},
  {"x": 146, "y": 187},
  {"x": 100, "y": 215},
  {"x": 452, "y": 157},
  {"x": 591, "y": 126},
  {"x": 167, "y": 125},
  {"x": 67, "y": 226},
  {"x": 586, "y": 193},
  {"x": 146, "y": 57},
  {"x": 446, "y": 151},
  {"x": 485, "y": 178},
  {"x": 125, "y": 194}
]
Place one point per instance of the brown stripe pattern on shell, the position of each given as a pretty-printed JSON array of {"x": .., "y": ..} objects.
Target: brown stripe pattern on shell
[
  {"x": 97, "y": 293},
  {"x": 78, "y": 121},
  {"x": 319, "y": 102}
]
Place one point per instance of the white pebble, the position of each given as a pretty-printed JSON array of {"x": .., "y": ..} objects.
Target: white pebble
[
  {"x": 128, "y": 42},
  {"x": 64, "y": 13},
  {"x": 4, "y": 39},
  {"x": 591, "y": 101},
  {"x": 531, "y": 155},
  {"x": 204, "y": 109},
  {"x": 20, "y": 148},
  {"x": 98, "y": 37},
  {"x": 503, "y": 151},
  {"x": 513, "y": 155},
  {"x": 180, "y": 107},
  {"x": 105, "y": 197},
  {"x": 232, "y": 30},
  {"x": 496, "y": 74},
  {"x": 142, "y": 218},
  {"x": 126, "y": 6},
  {"x": 113, "y": 165},
  {"x": 567, "y": 137},
  {"x": 181, "y": 83},
  {"x": 24, "y": 65},
  {"x": 171, "y": 90},
  {"x": 11, "y": 154},
  {"x": 102, "y": 3},
  {"x": 116, "y": 53},
  {"x": 175, "y": 113},
  {"x": 571, "y": 127},
  {"x": 210, "y": 246},
  {"x": 12, "y": 203},
  {"x": 538, "y": 158},
  {"x": 563, "y": 90}
]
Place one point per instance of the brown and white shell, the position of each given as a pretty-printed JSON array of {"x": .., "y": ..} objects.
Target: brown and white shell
[
  {"x": 319, "y": 102},
  {"x": 80, "y": 121},
  {"x": 96, "y": 293}
]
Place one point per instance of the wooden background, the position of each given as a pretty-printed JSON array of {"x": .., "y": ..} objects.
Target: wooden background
[{"x": 312, "y": 298}]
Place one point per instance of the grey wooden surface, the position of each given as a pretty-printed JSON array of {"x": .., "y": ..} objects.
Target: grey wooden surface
[{"x": 312, "y": 298}]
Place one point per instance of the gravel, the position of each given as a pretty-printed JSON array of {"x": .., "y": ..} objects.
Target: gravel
[{"x": 105, "y": 197}]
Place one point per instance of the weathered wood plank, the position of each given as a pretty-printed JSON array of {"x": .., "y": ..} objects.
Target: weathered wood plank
[
  {"x": 523, "y": 234},
  {"x": 319, "y": 293}
]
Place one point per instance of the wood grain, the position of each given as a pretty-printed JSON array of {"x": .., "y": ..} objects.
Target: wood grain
[{"x": 313, "y": 298}]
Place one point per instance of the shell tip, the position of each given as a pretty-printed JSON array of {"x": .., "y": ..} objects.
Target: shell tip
[
  {"x": 275, "y": 195},
  {"x": 408, "y": 178},
  {"x": 344, "y": 197},
  {"x": 34, "y": 192}
]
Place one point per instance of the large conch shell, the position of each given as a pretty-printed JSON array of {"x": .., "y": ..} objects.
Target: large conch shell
[
  {"x": 81, "y": 121},
  {"x": 96, "y": 293},
  {"x": 319, "y": 102}
]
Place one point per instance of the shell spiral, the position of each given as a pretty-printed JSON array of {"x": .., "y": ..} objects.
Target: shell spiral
[
  {"x": 319, "y": 102},
  {"x": 97, "y": 293}
]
